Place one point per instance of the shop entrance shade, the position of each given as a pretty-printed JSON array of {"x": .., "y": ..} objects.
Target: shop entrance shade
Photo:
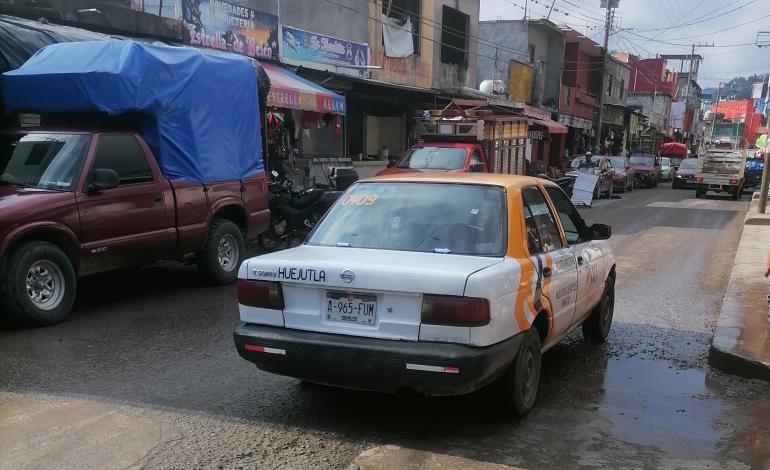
[{"x": 289, "y": 90}]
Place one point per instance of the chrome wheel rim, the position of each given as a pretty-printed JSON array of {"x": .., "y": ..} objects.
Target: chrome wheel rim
[
  {"x": 45, "y": 285},
  {"x": 227, "y": 252}
]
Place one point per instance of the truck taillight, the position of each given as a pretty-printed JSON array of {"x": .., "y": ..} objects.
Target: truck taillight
[
  {"x": 698, "y": 179},
  {"x": 733, "y": 181},
  {"x": 262, "y": 294},
  {"x": 449, "y": 310}
]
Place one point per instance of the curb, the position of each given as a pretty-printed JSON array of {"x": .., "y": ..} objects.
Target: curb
[
  {"x": 741, "y": 325},
  {"x": 737, "y": 364}
]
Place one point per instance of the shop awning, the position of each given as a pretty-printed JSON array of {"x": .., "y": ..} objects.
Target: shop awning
[
  {"x": 552, "y": 126},
  {"x": 289, "y": 90}
]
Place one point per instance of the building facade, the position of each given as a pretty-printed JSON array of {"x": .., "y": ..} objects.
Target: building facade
[
  {"x": 580, "y": 87},
  {"x": 528, "y": 57}
]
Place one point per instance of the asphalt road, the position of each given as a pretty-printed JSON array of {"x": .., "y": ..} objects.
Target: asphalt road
[{"x": 145, "y": 375}]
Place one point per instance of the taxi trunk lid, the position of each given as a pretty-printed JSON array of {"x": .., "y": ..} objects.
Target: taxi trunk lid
[{"x": 383, "y": 288}]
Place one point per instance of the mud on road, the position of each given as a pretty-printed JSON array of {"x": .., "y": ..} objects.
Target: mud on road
[{"x": 145, "y": 375}]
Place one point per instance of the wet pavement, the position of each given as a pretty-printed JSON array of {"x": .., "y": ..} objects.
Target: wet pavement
[{"x": 145, "y": 375}]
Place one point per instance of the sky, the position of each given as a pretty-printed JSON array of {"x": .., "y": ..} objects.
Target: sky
[{"x": 677, "y": 22}]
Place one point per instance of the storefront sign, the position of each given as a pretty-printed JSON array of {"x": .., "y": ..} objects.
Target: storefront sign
[
  {"x": 300, "y": 45},
  {"x": 574, "y": 121},
  {"x": 226, "y": 26},
  {"x": 535, "y": 135},
  {"x": 295, "y": 99}
]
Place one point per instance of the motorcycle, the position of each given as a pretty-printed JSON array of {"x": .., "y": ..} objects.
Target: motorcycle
[{"x": 294, "y": 213}]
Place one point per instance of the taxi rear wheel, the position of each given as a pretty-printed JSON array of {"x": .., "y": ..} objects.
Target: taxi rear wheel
[
  {"x": 516, "y": 390},
  {"x": 596, "y": 328}
]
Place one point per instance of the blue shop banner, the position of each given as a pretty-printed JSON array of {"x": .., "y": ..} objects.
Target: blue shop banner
[{"x": 312, "y": 47}]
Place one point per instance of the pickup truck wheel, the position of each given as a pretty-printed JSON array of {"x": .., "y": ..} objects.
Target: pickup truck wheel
[
  {"x": 596, "y": 328},
  {"x": 221, "y": 256},
  {"x": 39, "y": 285},
  {"x": 516, "y": 389}
]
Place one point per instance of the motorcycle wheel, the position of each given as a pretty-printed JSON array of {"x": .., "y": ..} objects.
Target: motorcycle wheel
[{"x": 267, "y": 242}]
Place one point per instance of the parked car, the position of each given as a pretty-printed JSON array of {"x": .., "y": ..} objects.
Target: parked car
[
  {"x": 406, "y": 284},
  {"x": 646, "y": 170},
  {"x": 666, "y": 169},
  {"x": 602, "y": 169},
  {"x": 685, "y": 175},
  {"x": 624, "y": 174},
  {"x": 90, "y": 198}
]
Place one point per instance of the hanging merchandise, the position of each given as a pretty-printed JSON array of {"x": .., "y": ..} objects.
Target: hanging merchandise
[{"x": 276, "y": 118}]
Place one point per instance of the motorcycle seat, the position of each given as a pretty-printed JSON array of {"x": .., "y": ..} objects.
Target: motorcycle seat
[{"x": 307, "y": 200}]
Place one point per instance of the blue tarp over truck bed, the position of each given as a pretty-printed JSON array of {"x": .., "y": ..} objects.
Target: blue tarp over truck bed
[{"x": 203, "y": 111}]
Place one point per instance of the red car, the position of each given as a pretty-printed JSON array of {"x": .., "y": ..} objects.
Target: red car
[
  {"x": 623, "y": 180},
  {"x": 439, "y": 156}
]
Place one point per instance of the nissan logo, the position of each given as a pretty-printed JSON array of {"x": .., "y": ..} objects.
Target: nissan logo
[{"x": 347, "y": 276}]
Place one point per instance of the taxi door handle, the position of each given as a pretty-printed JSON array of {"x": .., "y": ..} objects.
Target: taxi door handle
[
  {"x": 547, "y": 272},
  {"x": 580, "y": 260}
]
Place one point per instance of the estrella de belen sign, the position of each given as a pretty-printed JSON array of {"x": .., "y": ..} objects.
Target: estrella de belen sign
[
  {"x": 227, "y": 26},
  {"x": 306, "y": 46}
]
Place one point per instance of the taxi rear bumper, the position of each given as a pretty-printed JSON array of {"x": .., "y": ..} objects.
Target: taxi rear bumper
[{"x": 374, "y": 364}]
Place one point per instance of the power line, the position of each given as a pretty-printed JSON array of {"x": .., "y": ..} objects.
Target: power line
[
  {"x": 467, "y": 51},
  {"x": 682, "y": 45},
  {"x": 721, "y": 30},
  {"x": 700, "y": 18}
]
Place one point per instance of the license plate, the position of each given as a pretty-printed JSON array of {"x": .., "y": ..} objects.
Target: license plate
[{"x": 350, "y": 308}]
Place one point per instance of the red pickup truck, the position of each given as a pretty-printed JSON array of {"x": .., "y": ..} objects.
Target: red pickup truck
[
  {"x": 465, "y": 136},
  {"x": 439, "y": 156},
  {"x": 81, "y": 192},
  {"x": 74, "y": 203}
]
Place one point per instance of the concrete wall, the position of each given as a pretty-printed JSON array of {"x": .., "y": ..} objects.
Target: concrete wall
[
  {"x": 450, "y": 77},
  {"x": 657, "y": 109},
  {"x": 504, "y": 40},
  {"x": 677, "y": 114},
  {"x": 328, "y": 19},
  {"x": 554, "y": 65},
  {"x": 620, "y": 74},
  {"x": 549, "y": 60}
]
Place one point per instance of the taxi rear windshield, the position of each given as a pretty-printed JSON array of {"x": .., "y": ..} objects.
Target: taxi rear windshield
[{"x": 421, "y": 217}]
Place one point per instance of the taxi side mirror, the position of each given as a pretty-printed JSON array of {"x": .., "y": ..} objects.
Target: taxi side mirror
[{"x": 600, "y": 232}]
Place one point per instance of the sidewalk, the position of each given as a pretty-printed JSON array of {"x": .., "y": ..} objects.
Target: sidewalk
[{"x": 741, "y": 343}]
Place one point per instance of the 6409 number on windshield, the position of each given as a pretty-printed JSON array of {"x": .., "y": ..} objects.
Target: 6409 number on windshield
[{"x": 350, "y": 308}]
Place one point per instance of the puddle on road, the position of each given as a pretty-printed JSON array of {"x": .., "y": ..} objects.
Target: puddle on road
[{"x": 649, "y": 403}]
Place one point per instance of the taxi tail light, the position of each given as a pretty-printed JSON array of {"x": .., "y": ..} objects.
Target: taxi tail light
[
  {"x": 448, "y": 310},
  {"x": 262, "y": 294}
]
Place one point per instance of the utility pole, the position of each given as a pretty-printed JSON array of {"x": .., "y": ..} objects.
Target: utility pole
[
  {"x": 687, "y": 92},
  {"x": 548, "y": 18},
  {"x": 713, "y": 109},
  {"x": 766, "y": 168},
  {"x": 689, "y": 81},
  {"x": 526, "y": 2},
  {"x": 607, "y": 26}
]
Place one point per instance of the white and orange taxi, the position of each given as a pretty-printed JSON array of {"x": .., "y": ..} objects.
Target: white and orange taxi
[{"x": 442, "y": 284}]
